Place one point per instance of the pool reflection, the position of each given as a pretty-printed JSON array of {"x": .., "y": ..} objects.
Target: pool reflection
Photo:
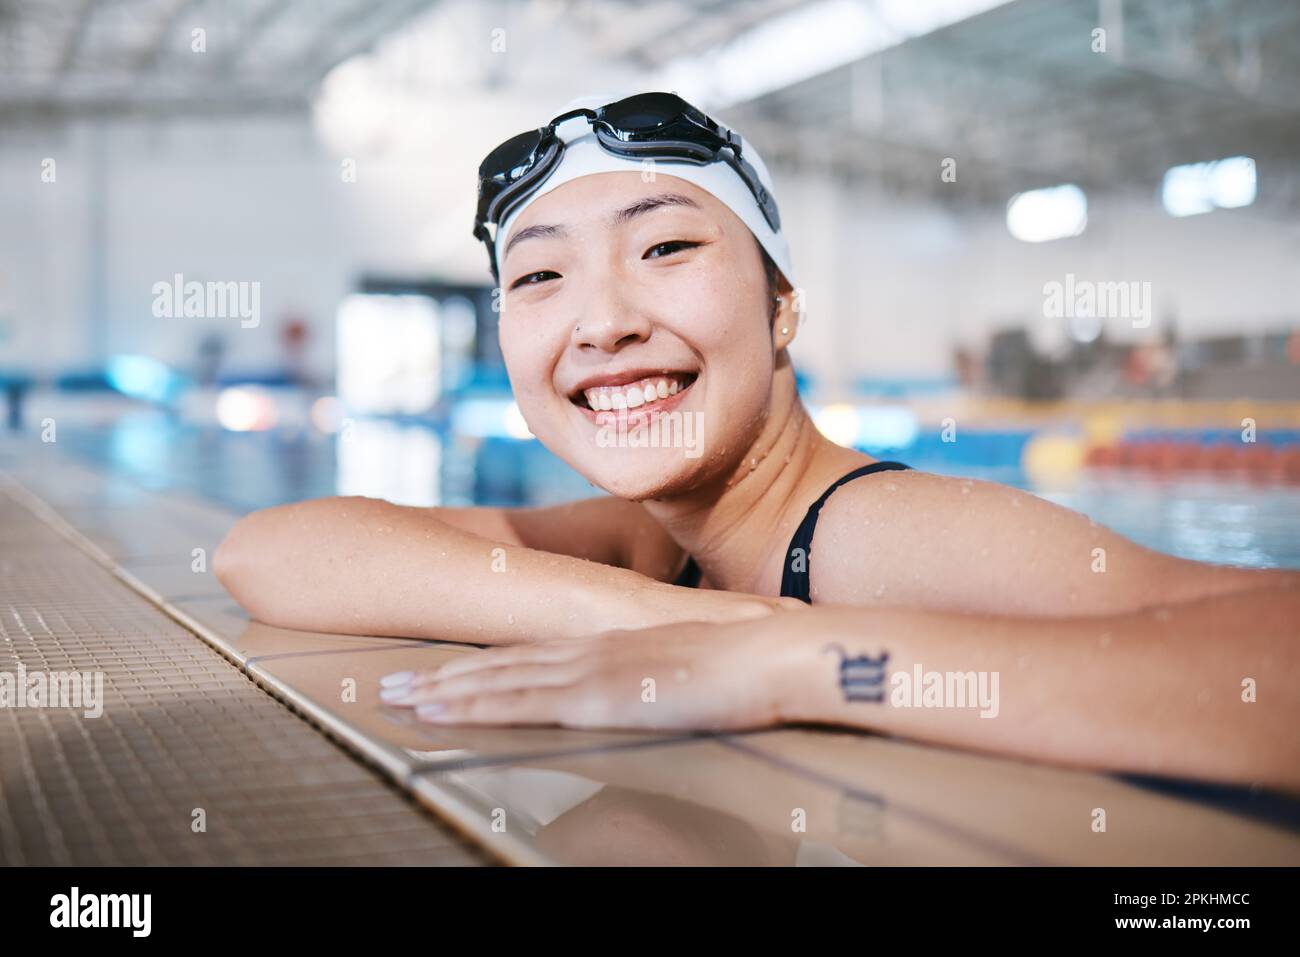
[{"x": 1223, "y": 520}]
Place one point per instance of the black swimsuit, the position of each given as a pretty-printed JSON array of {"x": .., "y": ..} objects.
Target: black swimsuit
[{"x": 795, "y": 584}]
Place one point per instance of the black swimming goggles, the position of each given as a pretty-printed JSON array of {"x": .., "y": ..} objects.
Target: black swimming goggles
[{"x": 644, "y": 126}]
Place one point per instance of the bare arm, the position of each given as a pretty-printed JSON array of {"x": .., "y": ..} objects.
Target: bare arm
[
  {"x": 1143, "y": 662},
  {"x": 921, "y": 541},
  {"x": 365, "y": 566},
  {"x": 1205, "y": 689}
]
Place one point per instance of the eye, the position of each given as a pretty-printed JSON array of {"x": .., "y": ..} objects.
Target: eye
[
  {"x": 667, "y": 249},
  {"x": 533, "y": 278}
]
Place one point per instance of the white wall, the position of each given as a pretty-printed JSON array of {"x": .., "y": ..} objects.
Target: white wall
[
  {"x": 891, "y": 286},
  {"x": 894, "y": 285},
  {"x": 241, "y": 201}
]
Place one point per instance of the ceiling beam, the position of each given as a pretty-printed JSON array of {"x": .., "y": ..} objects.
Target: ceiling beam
[{"x": 76, "y": 37}]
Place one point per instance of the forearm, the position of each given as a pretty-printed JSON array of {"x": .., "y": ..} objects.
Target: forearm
[
  {"x": 364, "y": 566},
  {"x": 1157, "y": 691}
]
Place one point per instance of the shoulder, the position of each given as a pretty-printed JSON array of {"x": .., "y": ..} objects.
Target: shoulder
[
  {"x": 904, "y": 520},
  {"x": 911, "y": 497},
  {"x": 953, "y": 544}
]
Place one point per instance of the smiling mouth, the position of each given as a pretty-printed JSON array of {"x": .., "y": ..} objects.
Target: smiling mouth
[{"x": 645, "y": 392}]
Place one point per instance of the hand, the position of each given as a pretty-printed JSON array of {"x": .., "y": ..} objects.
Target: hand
[{"x": 686, "y": 676}]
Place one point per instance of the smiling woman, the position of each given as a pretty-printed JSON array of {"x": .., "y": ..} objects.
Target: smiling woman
[{"x": 645, "y": 276}]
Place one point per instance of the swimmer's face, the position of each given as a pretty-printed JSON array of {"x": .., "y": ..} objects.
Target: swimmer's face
[{"x": 636, "y": 329}]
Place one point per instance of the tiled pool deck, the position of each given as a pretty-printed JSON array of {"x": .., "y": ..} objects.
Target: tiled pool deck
[{"x": 100, "y": 574}]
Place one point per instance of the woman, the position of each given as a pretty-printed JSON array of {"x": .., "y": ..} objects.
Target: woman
[{"x": 646, "y": 312}]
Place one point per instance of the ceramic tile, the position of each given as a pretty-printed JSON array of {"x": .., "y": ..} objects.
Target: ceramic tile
[
  {"x": 227, "y": 626},
  {"x": 175, "y": 578},
  {"x": 180, "y": 729},
  {"x": 319, "y": 679},
  {"x": 142, "y": 534},
  {"x": 1042, "y": 813},
  {"x": 63, "y": 484},
  {"x": 696, "y": 802}
]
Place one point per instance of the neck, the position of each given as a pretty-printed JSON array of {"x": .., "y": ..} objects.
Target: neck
[{"x": 734, "y": 527}]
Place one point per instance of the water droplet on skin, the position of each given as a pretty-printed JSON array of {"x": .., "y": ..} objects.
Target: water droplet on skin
[
  {"x": 891, "y": 487},
  {"x": 510, "y": 619},
  {"x": 965, "y": 490},
  {"x": 880, "y": 591}
]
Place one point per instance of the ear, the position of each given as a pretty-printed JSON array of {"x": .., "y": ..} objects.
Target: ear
[{"x": 785, "y": 318}]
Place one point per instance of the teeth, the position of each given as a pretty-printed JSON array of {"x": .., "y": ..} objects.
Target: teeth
[{"x": 633, "y": 395}]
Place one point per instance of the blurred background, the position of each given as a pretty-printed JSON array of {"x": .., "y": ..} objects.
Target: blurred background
[{"x": 1054, "y": 243}]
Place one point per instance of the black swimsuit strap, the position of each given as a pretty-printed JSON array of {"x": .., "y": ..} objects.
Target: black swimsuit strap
[
  {"x": 691, "y": 574},
  {"x": 795, "y": 581}
]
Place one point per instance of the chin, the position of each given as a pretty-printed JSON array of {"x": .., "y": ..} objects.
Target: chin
[{"x": 641, "y": 474}]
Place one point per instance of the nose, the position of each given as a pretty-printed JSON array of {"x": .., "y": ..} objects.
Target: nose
[{"x": 609, "y": 322}]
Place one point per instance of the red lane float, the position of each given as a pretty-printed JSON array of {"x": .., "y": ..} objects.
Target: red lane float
[{"x": 1259, "y": 461}]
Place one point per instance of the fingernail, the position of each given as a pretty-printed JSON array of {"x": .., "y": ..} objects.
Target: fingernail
[
  {"x": 393, "y": 694},
  {"x": 396, "y": 678},
  {"x": 431, "y": 710}
]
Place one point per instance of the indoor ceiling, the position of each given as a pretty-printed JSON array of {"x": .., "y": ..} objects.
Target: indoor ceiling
[{"x": 1014, "y": 93}]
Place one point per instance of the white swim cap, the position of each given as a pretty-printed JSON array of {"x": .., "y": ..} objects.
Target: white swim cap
[{"x": 584, "y": 156}]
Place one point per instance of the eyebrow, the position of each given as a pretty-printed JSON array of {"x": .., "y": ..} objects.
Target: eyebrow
[
  {"x": 626, "y": 214},
  {"x": 650, "y": 203},
  {"x": 540, "y": 231}
]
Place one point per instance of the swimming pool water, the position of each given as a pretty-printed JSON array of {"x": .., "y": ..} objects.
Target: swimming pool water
[{"x": 1217, "y": 520}]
